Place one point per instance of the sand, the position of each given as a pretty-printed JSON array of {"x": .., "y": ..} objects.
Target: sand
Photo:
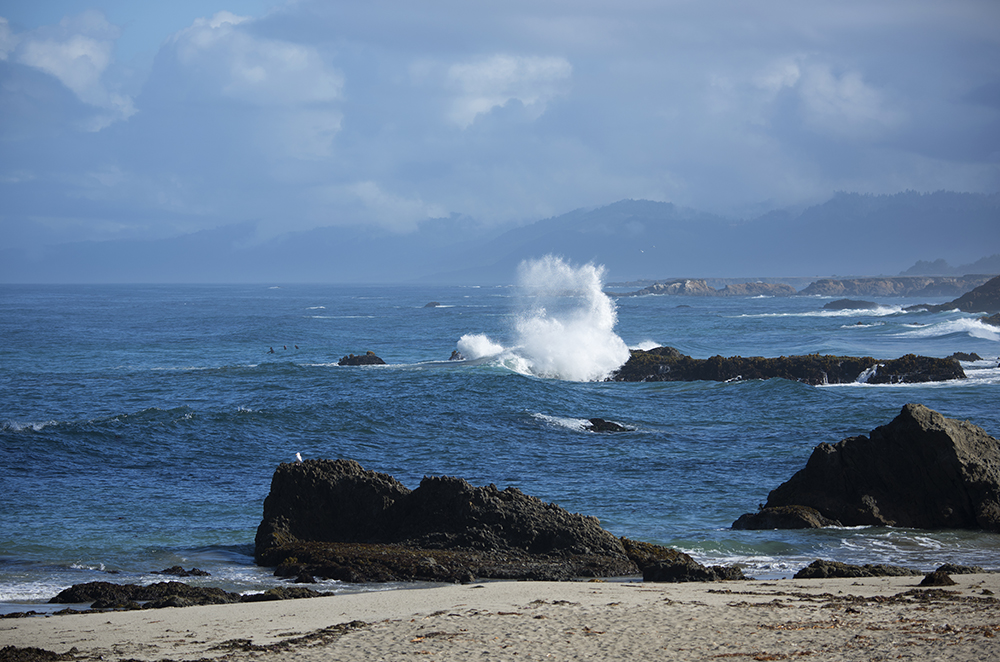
[{"x": 830, "y": 619}]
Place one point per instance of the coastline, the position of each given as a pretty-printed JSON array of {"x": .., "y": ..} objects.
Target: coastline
[{"x": 829, "y": 619}]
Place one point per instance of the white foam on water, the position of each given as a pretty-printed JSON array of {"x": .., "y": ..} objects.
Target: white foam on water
[
  {"x": 478, "y": 346},
  {"x": 972, "y": 327},
  {"x": 575, "y": 424},
  {"x": 647, "y": 345},
  {"x": 566, "y": 330}
]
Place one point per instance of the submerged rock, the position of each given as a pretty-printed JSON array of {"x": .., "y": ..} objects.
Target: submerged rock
[
  {"x": 368, "y": 358},
  {"x": 667, "y": 364},
  {"x": 921, "y": 470},
  {"x": 601, "y": 425},
  {"x": 334, "y": 519},
  {"x": 784, "y": 517}
]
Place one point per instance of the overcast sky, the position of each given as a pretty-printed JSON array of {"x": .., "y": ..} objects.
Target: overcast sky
[{"x": 146, "y": 119}]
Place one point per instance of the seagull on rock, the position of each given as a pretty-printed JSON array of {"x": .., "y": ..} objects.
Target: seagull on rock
[{"x": 298, "y": 458}]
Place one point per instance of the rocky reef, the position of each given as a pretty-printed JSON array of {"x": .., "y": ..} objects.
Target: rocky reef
[
  {"x": 921, "y": 470},
  {"x": 334, "y": 519},
  {"x": 668, "y": 364},
  {"x": 368, "y": 358}
]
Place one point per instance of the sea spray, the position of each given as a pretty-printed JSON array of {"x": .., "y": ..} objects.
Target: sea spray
[
  {"x": 566, "y": 330},
  {"x": 478, "y": 346}
]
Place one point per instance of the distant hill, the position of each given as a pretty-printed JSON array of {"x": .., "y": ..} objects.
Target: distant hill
[
  {"x": 940, "y": 267},
  {"x": 850, "y": 234}
]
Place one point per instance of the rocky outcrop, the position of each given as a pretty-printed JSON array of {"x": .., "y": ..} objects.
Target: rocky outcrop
[
  {"x": 993, "y": 320},
  {"x": 904, "y": 286},
  {"x": 667, "y": 364},
  {"x": 700, "y": 288},
  {"x": 820, "y": 569},
  {"x": 921, "y": 470},
  {"x": 983, "y": 299},
  {"x": 105, "y": 595},
  {"x": 334, "y": 519},
  {"x": 784, "y": 517},
  {"x": 368, "y": 358}
]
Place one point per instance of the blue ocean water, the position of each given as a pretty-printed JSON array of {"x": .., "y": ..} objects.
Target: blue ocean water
[{"x": 140, "y": 425}]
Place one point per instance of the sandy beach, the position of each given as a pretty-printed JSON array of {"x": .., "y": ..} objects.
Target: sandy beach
[{"x": 830, "y": 619}]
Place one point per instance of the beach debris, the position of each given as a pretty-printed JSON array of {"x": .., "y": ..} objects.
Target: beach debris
[{"x": 921, "y": 471}]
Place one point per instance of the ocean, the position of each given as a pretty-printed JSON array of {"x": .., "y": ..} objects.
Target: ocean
[{"x": 140, "y": 424}]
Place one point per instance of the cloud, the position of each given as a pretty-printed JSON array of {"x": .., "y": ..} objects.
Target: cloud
[
  {"x": 845, "y": 104},
  {"x": 294, "y": 90},
  {"x": 256, "y": 70},
  {"x": 78, "y": 52},
  {"x": 491, "y": 83}
]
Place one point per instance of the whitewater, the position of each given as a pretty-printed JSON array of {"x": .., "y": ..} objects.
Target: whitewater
[{"x": 140, "y": 425}]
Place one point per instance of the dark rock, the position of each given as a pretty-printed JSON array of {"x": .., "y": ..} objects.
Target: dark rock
[
  {"x": 820, "y": 569},
  {"x": 340, "y": 520},
  {"x": 32, "y": 654},
  {"x": 993, "y": 320},
  {"x": 432, "y": 304},
  {"x": 283, "y": 593},
  {"x": 601, "y": 425},
  {"x": 962, "y": 356},
  {"x": 334, "y": 519},
  {"x": 937, "y": 578},
  {"x": 850, "y": 304},
  {"x": 122, "y": 595},
  {"x": 178, "y": 571},
  {"x": 922, "y": 470},
  {"x": 368, "y": 358},
  {"x": 667, "y": 364},
  {"x": 984, "y": 298},
  {"x": 784, "y": 517},
  {"x": 955, "y": 569},
  {"x": 662, "y": 564}
]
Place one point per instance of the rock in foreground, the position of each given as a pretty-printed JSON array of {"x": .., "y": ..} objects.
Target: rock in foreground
[
  {"x": 667, "y": 364},
  {"x": 334, "y": 519},
  {"x": 922, "y": 471}
]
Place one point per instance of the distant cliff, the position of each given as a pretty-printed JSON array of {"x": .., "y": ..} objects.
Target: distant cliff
[
  {"x": 700, "y": 288},
  {"x": 900, "y": 286}
]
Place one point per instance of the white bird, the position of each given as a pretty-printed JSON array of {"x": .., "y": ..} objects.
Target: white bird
[{"x": 298, "y": 457}]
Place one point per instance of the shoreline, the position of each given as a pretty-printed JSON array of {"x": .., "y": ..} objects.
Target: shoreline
[{"x": 827, "y": 619}]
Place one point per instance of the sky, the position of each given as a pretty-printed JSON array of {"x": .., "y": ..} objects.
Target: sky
[{"x": 133, "y": 120}]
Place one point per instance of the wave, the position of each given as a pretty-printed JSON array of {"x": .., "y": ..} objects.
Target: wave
[
  {"x": 880, "y": 311},
  {"x": 972, "y": 327},
  {"x": 565, "y": 329}
]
